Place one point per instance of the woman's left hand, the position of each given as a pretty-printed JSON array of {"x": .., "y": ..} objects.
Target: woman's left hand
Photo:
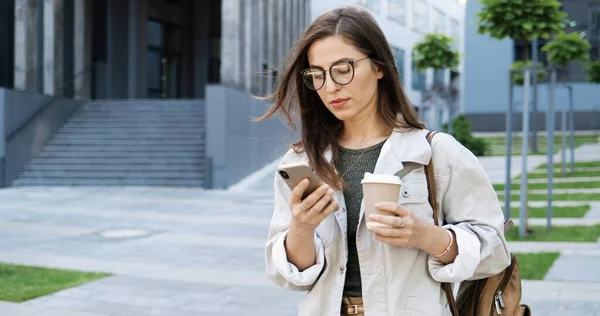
[{"x": 405, "y": 229}]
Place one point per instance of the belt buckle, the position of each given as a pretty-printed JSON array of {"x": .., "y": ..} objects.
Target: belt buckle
[{"x": 354, "y": 309}]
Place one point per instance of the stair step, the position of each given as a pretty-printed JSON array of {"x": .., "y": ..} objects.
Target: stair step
[
  {"x": 73, "y": 130},
  {"x": 101, "y": 174},
  {"x": 127, "y": 125},
  {"x": 125, "y": 143},
  {"x": 107, "y": 182},
  {"x": 141, "y": 148},
  {"x": 117, "y": 135},
  {"x": 160, "y": 168},
  {"x": 101, "y": 161},
  {"x": 136, "y": 142}
]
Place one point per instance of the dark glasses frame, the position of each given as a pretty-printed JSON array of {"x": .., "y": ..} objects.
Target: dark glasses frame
[{"x": 351, "y": 62}]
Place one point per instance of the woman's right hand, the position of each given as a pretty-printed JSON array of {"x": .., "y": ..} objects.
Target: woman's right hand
[{"x": 307, "y": 214}]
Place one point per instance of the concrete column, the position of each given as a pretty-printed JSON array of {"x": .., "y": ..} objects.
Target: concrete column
[
  {"x": 201, "y": 48},
  {"x": 53, "y": 47},
  {"x": 295, "y": 24},
  {"x": 137, "y": 49},
  {"x": 231, "y": 53},
  {"x": 270, "y": 43},
  {"x": 248, "y": 44},
  {"x": 280, "y": 30},
  {"x": 259, "y": 44},
  {"x": 307, "y": 13},
  {"x": 25, "y": 40},
  {"x": 289, "y": 23},
  {"x": 82, "y": 50}
]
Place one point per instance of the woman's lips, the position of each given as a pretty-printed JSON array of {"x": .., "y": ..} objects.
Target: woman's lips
[{"x": 339, "y": 103}]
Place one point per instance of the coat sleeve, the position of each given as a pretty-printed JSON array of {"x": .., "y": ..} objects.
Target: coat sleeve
[
  {"x": 471, "y": 209},
  {"x": 279, "y": 269}
]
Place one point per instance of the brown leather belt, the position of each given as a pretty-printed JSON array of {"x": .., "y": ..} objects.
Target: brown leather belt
[{"x": 352, "y": 305}]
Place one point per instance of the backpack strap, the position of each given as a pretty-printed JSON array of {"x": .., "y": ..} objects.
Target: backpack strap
[{"x": 431, "y": 187}]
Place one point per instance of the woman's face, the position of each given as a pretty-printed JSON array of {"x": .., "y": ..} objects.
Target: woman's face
[{"x": 358, "y": 98}]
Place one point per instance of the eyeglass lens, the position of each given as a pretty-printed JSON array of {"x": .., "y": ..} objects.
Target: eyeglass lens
[{"x": 341, "y": 73}]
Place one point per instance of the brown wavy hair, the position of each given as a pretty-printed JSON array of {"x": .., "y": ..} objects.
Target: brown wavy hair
[{"x": 320, "y": 128}]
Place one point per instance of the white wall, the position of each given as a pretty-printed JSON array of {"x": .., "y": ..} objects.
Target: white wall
[{"x": 405, "y": 37}]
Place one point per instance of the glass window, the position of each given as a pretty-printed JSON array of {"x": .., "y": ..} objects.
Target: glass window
[
  {"x": 440, "y": 21},
  {"x": 371, "y": 5},
  {"x": 397, "y": 11},
  {"x": 153, "y": 69},
  {"x": 420, "y": 16},
  {"x": 455, "y": 33},
  {"x": 154, "y": 33},
  {"x": 418, "y": 79},
  {"x": 438, "y": 77},
  {"x": 399, "y": 59}
]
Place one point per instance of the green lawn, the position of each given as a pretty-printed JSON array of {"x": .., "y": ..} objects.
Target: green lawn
[
  {"x": 570, "y": 233},
  {"x": 576, "y": 174},
  {"x": 557, "y": 197},
  {"x": 586, "y": 164},
  {"x": 20, "y": 283},
  {"x": 498, "y": 144},
  {"x": 544, "y": 186},
  {"x": 557, "y": 211},
  {"x": 534, "y": 266}
]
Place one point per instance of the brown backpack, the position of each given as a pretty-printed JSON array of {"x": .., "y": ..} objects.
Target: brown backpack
[{"x": 496, "y": 295}]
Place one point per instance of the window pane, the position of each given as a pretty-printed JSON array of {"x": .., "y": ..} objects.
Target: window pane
[
  {"x": 438, "y": 77},
  {"x": 397, "y": 11},
  {"x": 440, "y": 21},
  {"x": 455, "y": 33},
  {"x": 418, "y": 79},
  {"x": 420, "y": 16},
  {"x": 153, "y": 69},
  {"x": 154, "y": 33},
  {"x": 371, "y": 5},
  {"x": 399, "y": 57}
]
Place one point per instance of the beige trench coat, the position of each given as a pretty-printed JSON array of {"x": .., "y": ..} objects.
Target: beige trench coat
[{"x": 398, "y": 281}]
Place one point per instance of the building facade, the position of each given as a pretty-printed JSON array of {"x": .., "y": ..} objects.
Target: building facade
[
  {"x": 130, "y": 49},
  {"x": 404, "y": 23},
  {"x": 488, "y": 61},
  {"x": 116, "y": 49}
]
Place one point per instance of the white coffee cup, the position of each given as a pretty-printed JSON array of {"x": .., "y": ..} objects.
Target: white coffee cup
[{"x": 379, "y": 188}]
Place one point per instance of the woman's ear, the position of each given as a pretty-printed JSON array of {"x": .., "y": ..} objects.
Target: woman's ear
[{"x": 379, "y": 74}]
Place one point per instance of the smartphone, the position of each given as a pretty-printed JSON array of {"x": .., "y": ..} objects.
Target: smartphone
[{"x": 294, "y": 173}]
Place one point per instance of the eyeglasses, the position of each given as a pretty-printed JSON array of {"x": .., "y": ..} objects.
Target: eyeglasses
[{"x": 341, "y": 73}]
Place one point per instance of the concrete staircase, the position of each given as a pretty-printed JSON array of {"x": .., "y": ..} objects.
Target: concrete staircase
[{"x": 141, "y": 142}]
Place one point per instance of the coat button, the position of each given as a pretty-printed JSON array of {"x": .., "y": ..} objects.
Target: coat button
[
  {"x": 405, "y": 193},
  {"x": 342, "y": 269},
  {"x": 343, "y": 209}
]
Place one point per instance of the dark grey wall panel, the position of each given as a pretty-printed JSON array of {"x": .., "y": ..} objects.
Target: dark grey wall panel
[
  {"x": 43, "y": 117},
  {"x": 496, "y": 122},
  {"x": 236, "y": 145}
]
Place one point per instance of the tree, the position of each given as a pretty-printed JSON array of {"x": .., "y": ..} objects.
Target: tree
[
  {"x": 567, "y": 48},
  {"x": 593, "y": 69},
  {"x": 519, "y": 77},
  {"x": 435, "y": 51},
  {"x": 521, "y": 20}
]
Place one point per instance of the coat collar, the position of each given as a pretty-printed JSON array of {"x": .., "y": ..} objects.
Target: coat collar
[{"x": 401, "y": 146}]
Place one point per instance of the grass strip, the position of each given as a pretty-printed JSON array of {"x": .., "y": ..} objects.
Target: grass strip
[
  {"x": 20, "y": 283},
  {"x": 583, "y": 164},
  {"x": 557, "y": 211},
  {"x": 535, "y": 266},
  {"x": 544, "y": 186},
  {"x": 576, "y": 174},
  {"x": 558, "y": 233},
  {"x": 584, "y": 197}
]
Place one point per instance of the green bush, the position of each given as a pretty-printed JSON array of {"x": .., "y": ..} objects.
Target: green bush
[{"x": 461, "y": 130}]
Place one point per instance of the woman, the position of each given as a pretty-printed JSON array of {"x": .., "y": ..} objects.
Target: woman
[{"x": 355, "y": 118}]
